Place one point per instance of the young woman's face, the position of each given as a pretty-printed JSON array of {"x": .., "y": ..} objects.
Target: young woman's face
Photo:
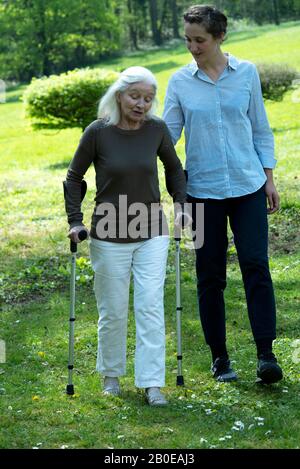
[
  {"x": 201, "y": 44},
  {"x": 136, "y": 101}
]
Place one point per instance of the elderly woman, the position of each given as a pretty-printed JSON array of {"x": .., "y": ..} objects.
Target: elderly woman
[
  {"x": 128, "y": 229},
  {"x": 229, "y": 161}
]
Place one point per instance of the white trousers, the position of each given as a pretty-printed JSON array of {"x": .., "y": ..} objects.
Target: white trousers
[{"x": 112, "y": 264}]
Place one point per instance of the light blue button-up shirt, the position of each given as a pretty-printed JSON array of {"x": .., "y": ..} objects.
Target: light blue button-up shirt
[{"x": 228, "y": 140}]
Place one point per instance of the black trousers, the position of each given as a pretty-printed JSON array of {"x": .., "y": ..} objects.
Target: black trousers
[{"x": 248, "y": 221}]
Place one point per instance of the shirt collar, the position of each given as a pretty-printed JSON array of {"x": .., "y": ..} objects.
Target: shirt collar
[{"x": 232, "y": 63}]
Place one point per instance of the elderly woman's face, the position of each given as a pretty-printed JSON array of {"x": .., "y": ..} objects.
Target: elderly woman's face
[{"x": 136, "y": 101}]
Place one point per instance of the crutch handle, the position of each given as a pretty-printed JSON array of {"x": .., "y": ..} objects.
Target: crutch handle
[
  {"x": 82, "y": 235},
  {"x": 178, "y": 228}
]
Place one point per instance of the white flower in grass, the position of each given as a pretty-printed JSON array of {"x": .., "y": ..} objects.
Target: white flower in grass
[
  {"x": 203, "y": 440},
  {"x": 259, "y": 419},
  {"x": 238, "y": 426},
  {"x": 251, "y": 426},
  {"x": 64, "y": 447},
  {"x": 120, "y": 437},
  {"x": 169, "y": 429},
  {"x": 268, "y": 432},
  {"x": 222, "y": 438}
]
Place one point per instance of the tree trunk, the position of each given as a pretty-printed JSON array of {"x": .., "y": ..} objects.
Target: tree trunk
[
  {"x": 156, "y": 33},
  {"x": 275, "y": 12},
  {"x": 175, "y": 19},
  {"x": 132, "y": 27},
  {"x": 41, "y": 35}
]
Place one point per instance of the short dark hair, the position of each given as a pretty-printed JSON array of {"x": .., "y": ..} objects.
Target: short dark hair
[{"x": 214, "y": 21}]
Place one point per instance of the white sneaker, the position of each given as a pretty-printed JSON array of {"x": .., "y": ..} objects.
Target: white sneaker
[
  {"x": 155, "y": 397},
  {"x": 111, "y": 386}
]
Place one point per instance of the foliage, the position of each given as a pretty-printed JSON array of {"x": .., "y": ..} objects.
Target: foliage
[
  {"x": 34, "y": 280},
  {"x": 40, "y": 37},
  {"x": 67, "y": 100},
  {"x": 34, "y": 320},
  {"x": 276, "y": 79}
]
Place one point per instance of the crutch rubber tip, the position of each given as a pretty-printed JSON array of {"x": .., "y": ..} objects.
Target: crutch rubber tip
[
  {"x": 70, "y": 389},
  {"x": 180, "y": 381}
]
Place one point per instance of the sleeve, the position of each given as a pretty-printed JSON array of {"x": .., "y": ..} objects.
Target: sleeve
[
  {"x": 173, "y": 115},
  {"x": 262, "y": 135},
  {"x": 174, "y": 174},
  {"x": 83, "y": 157}
]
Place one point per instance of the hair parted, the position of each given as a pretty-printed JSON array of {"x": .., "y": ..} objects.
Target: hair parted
[
  {"x": 109, "y": 109},
  {"x": 214, "y": 21}
]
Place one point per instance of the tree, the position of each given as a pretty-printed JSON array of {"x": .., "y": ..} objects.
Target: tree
[
  {"x": 154, "y": 22},
  {"x": 158, "y": 13},
  {"x": 133, "y": 30},
  {"x": 40, "y": 37},
  {"x": 174, "y": 9},
  {"x": 275, "y": 12}
]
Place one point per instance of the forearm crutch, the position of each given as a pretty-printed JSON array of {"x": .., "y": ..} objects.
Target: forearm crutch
[
  {"x": 180, "y": 380},
  {"x": 73, "y": 249}
]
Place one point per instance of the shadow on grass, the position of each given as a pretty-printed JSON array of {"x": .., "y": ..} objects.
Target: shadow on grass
[
  {"x": 241, "y": 36},
  {"x": 14, "y": 94},
  {"x": 58, "y": 166},
  {"x": 238, "y": 36},
  {"x": 279, "y": 130},
  {"x": 162, "y": 66}
]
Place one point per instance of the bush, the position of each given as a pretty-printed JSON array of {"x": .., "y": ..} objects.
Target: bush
[
  {"x": 66, "y": 100},
  {"x": 276, "y": 79}
]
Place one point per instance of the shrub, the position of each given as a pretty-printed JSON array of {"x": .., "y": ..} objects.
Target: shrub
[
  {"x": 66, "y": 100},
  {"x": 276, "y": 79}
]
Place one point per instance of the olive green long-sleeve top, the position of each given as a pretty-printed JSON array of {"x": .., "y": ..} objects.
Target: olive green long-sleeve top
[{"x": 125, "y": 163}]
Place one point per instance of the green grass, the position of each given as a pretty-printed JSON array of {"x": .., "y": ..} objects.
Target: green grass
[{"x": 34, "y": 409}]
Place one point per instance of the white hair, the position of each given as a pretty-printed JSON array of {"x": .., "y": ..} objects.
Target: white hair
[{"x": 108, "y": 108}]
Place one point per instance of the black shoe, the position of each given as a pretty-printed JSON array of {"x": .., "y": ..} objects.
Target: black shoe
[
  {"x": 268, "y": 370},
  {"x": 221, "y": 370}
]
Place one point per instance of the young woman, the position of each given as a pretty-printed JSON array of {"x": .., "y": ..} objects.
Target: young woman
[{"x": 229, "y": 161}]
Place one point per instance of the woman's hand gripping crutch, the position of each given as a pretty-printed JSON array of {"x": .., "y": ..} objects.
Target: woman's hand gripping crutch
[{"x": 76, "y": 235}]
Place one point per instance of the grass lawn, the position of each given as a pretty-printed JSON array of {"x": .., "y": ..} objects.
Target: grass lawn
[{"x": 34, "y": 295}]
